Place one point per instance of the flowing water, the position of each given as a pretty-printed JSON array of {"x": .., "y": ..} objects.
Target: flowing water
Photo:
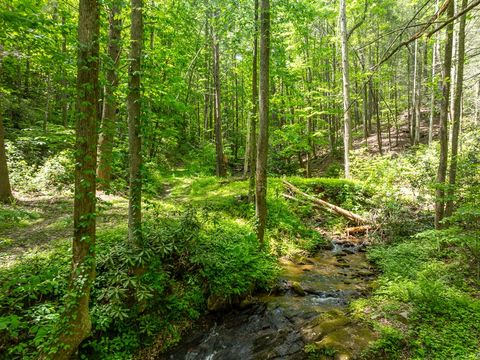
[{"x": 308, "y": 310}]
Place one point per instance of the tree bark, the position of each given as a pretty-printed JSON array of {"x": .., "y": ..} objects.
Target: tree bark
[
  {"x": 262, "y": 148},
  {"x": 5, "y": 189},
  {"x": 418, "y": 98},
  {"x": 347, "y": 126},
  {"x": 134, "y": 124},
  {"x": 442, "y": 167},
  {"x": 365, "y": 104},
  {"x": 413, "y": 124},
  {"x": 220, "y": 163},
  {"x": 477, "y": 110},
  {"x": 64, "y": 81},
  {"x": 250, "y": 158},
  {"x": 207, "y": 91},
  {"x": 452, "y": 176},
  {"x": 433, "y": 101},
  {"x": 76, "y": 324},
  {"x": 106, "y": 139},
  {"x": 46, "y": 115}
]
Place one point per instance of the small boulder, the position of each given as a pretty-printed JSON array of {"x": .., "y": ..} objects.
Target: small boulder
[{"x": 298, "y": 289}]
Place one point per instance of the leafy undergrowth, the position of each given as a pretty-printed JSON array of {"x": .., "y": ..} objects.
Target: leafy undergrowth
[
  {"x": 199, "y": 245},
  {"x": 426, "y": 302}
]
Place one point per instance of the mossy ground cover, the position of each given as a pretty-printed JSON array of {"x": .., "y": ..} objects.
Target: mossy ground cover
[{"x": 426, "y": 300}]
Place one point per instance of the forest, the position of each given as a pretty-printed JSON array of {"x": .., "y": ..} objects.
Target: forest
[{"x": 240, "y": 179}]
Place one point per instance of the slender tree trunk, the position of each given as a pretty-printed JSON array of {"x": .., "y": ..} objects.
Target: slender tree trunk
[
  {"x": 64, "y": 77},
  {"x": 5, "y": 189},
  {"x": 409, "y": 113},
  {"x": 477, "y": 110},
  {"x": 442, "y": 167},
  {"x": 453, "y": 70},
  {"x": 376, "y": 99},
  {"x": 76, "y": 324},
  {"x": 433, "y": 101},
  {"x": 220, "y": 168},
  {"x": 262, "y": 148},
  {"x": 347, "y": 130},
  {"x": 207, "y": 90},
  {"x": 134, "y": 124},
  {"x": 456, "y": 113},
  {"x": 418, "y": 98},
  {"x": 250, "y": 158},
  {"x": 365, "y": 115},
  {"x": 395, "y": 100},
  {"x": 46, "y": 115},
  {"x": 105, "y": 142},
  {"x": 413, "y": 124},
  {"x": 237, "y": 117}
]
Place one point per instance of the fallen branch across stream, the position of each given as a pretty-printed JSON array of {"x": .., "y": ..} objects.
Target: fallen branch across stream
[{"x": 324, "y": 204}]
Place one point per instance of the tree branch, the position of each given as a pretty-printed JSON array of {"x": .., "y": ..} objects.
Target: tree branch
[{"x": 361, "y": 21}]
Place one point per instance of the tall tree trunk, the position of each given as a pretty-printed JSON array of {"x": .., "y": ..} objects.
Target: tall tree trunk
[
  {"x": 409, "y": 113},
  {"x": 418, "y": 97},
  {"x": 456, "y": 113},
  {"x": 442, "y": 167},
  {"x": 134, "y": 124},
  {"x": 207, "y": 90},
  {"x": 453, "y": 70},
  {"x": 250, "y": 158},
  {"x": 395, "y": 102},
  {"x": 477, "y": 108},
  {"x": 347, "y": 126},
  {"x": 5, "y": 189},
  {"x": 46, "y": 115},
  {"x": 262, "y": 148},
  {"x": 414, "y": 94},
  {"x": 76, "y": 324},
  {"x": 64, "y": 81},
  {"x": 220, "y": 168},
  {"x": 105, "y": 142},
  {"x": 237, "y": 117},
  {"x": 376, "y": 99},
  {"x": 433, "y": 102}
]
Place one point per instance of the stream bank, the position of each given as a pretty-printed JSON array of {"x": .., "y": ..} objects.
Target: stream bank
[{"x": 304, "y": 317}]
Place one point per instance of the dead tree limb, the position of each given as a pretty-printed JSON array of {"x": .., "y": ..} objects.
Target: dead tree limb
[{"x": 322, "y": 203}]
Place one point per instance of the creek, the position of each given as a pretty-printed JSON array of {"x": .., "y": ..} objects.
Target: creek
[{"x": 308, "y": 310}]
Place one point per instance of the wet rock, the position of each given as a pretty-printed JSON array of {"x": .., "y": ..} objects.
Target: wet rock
[
  {"x": 327, "y": 326},
  {"x": 301, "y": 260},
  {"x": 348, "y": 341},
  {"x": 298, "y": 289}
]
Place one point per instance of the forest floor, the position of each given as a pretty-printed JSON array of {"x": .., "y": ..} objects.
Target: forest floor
[
  {"x": 36, "y": 223},
  {"x": 398, "y": 141}
]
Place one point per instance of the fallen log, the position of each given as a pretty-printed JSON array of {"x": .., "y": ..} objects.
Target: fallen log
[{"x": 336, "y": 209}]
